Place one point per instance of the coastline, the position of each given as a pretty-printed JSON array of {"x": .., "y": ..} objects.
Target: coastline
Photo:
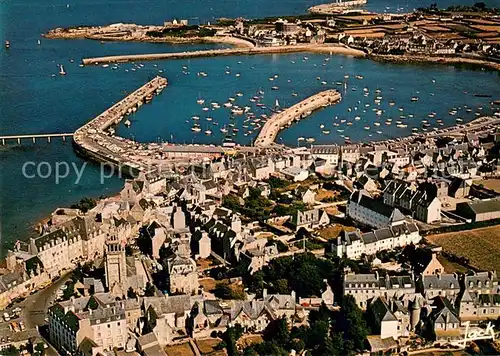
[
  {"x": 433, "y": 59},
  {"x": 229, "y": 40}
]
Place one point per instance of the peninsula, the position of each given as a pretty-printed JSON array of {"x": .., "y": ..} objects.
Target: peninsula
[{"x": 455, "y": 35}]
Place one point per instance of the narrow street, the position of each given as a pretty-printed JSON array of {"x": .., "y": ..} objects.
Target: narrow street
[{"x": 35, "y": 306}]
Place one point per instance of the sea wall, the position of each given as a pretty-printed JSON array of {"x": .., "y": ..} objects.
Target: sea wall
[
  {"x": 278, "y": 121},
  {"x": 325, "y": 48}
]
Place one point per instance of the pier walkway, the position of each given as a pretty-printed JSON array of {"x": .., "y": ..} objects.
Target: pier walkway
[
  {"x": 18, "y": 138},
  {"x": 298, "y": 111},
  {"x": 324, "y": 48}
]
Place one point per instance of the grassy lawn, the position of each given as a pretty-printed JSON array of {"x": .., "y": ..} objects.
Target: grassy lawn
[
  {"x": 207, "y": 347},
  {"x": 179, "y": 350},
  {"x": 249, "y": 340},
  {"x": 208, "y": 284},
  {"x": 332, "y": 232},
  {"x": 450, "y": 266},
  {"x": 324, "y": 194},
  {"x": 480, "y": 246},
  {"x": 491, "y": 184}
]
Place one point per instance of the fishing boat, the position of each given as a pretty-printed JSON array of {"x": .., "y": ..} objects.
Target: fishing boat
[
  {"x": 200, "y": 101},
  {"x": 239, "y": 94},
  {"x": 366, "y": 127},
  {"x": 61, "y": 70},
  {"x": 414, "y": 98},
  {"x": 208, "y": 132},
  {"x": 228, "y": 105},
  {"x": 359, "y": 77},
  {"x": 195, "y": 118},
  {"x": 196, "y": 128},
  {"x": 275, "y": 87}
]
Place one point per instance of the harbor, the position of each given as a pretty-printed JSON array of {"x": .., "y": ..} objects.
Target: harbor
[{"x": 299, "y": 111}]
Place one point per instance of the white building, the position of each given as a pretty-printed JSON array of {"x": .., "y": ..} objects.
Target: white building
[
  {"x": 365, "y": 210},
  {"x": 99, "y": 318},
  {"x": 354, "y": 244}
]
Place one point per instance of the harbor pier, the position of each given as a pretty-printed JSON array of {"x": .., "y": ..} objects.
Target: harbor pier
[
  {"x": 324, "y": 48},
  {"x": 18, "y": 138},
  {"x": 298, "y": 111}
]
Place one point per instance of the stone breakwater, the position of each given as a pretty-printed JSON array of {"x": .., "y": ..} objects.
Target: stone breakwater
[
  {"x": 325, "y": 48},
  {"x": 93, "y": 140},
  {"x": 278, "y": 121}
]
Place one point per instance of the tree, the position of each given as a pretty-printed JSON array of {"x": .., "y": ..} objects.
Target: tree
[
  {"x": 10, "y": 351},
  {"x": 231, "y": 337},
  {"x": 352, "y": 324},
  {"x": 150, "y": 290},
  {"x": 131, "y": 294},
  {"x": 85, "y": 204},
  {"x": 40, "y": 348}
]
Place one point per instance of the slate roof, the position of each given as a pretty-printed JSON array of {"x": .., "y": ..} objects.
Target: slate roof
[
  {"x": 484, "y": 206},
  {"x": 365, "y": 200}
]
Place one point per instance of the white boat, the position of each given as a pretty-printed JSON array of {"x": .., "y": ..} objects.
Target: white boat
[
  {"x": 310, "y": 139},
  {"x": 239, "y": 94},
  {"x": 209, "y": 119},
  {"x": 326, "y": 132},
  {"x": 200, "y": 101},
  {"x": 415, "y": 98},
  {"x": 275, "y": 87},
  {"x": 195, "y": 118},
  {"x": 127, "y": 123},
  {"x": 208, "y": 132},
  {"x": 205, "y": 109},
  {"x": 228, "y": 105},
  {"x": 195, "y": 129},
  {"x": 39, "y": 42},
  {"x": 61, "y": 70}
]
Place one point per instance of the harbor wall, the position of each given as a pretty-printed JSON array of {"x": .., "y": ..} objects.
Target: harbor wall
[
  {"x": 325, "y": 48},
  {"x": 278, "y": 121}
]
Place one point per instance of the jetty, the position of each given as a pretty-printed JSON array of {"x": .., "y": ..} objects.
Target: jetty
[
  {"x": 324, "y": 48},
  {"x": 296, "y": 112},
  {"x": 33, "y": 137}
]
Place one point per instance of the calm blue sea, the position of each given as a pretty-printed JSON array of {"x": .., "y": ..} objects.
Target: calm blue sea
[{"x": 33, "y": 101}]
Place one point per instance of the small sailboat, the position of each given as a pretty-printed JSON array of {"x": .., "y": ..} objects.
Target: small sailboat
[
  {"x": 61, "y": 70},
  {"x": 39, "y": 43}
]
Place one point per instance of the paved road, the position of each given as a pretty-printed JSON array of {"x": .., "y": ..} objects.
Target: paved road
[{"x": 36, "y": 305}]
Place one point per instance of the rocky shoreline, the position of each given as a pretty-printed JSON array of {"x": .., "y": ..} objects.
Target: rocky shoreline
[{"x": 433, "y": 59}]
